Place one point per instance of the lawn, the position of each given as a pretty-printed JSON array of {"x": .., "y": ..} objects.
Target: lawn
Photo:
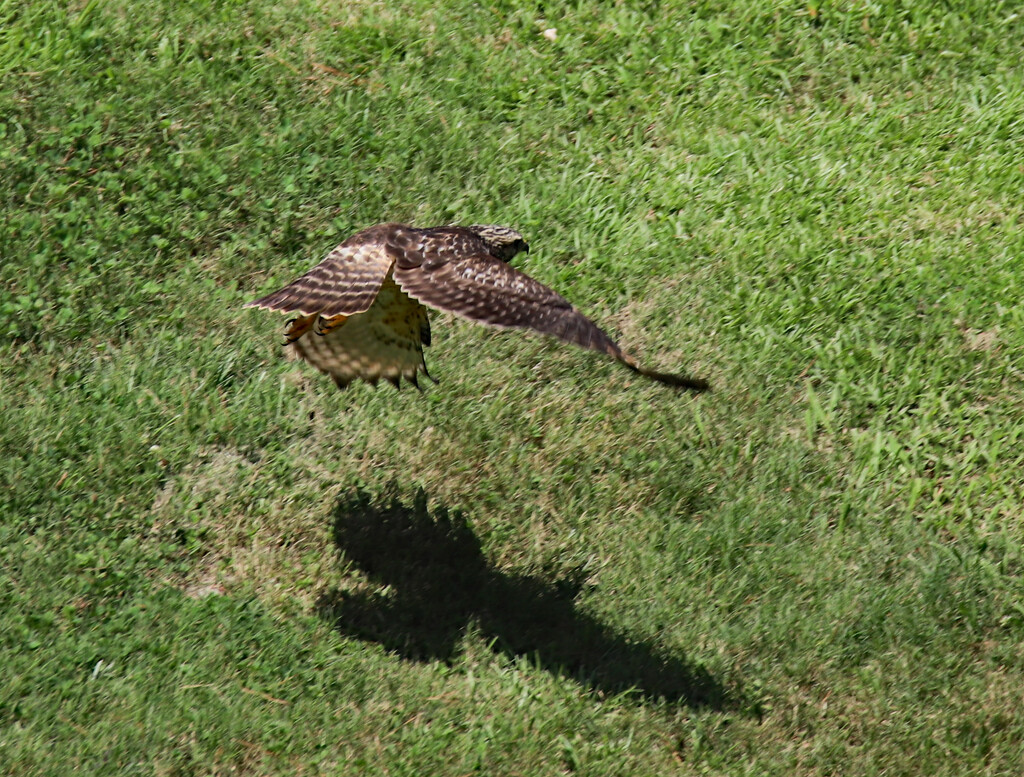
[{"x": 212, "y": 562}]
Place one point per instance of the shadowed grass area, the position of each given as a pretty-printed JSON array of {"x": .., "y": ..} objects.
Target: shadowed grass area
[
  {"x": 212, "y": 562},
  {"x": 437, "y": 584}
]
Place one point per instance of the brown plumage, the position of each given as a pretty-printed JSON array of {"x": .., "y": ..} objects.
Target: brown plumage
[{"x": 360, "y": 312}]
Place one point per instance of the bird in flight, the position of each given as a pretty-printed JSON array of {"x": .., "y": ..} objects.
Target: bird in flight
[{"x": 360, "y": 312}]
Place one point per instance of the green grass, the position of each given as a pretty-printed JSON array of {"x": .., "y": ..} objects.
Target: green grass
[{"x": 212, "y": 562}]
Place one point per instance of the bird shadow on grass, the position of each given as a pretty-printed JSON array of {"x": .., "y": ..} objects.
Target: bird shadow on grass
[{"x": 434, "y": 583}]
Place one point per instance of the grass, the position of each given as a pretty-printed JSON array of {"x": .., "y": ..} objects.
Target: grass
[{"x": 215, "y": 563}]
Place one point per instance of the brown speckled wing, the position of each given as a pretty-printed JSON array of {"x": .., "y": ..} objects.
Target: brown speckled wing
[
  {"x": 386, "y": 341},
  {"x": 490, "y": 291},
  {"x": 344, "y": 283}
]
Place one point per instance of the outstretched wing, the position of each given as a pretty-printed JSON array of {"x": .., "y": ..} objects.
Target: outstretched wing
[
  {"x": 344, "y": 283},
  {"x": 487, "y": 290}
]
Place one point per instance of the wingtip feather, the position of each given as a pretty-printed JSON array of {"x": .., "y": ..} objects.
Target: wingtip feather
[{"x": 696, "y": 385}]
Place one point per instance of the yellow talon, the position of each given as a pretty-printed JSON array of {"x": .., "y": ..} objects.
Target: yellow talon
[{"x": 297, "y": 327}]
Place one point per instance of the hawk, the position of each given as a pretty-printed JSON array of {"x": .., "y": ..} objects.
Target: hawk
[{"x": 360, "y": 312}]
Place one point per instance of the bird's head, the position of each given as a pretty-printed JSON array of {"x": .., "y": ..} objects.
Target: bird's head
[{"x": 502, "y": 242}]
